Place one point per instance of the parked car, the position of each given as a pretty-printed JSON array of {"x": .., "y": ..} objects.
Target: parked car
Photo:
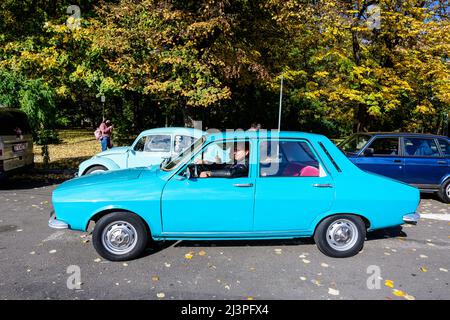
[
  {"x": 421, "y": 160},
  {"x": 150, "y": 147},
  {"x": 16, "y": 142},
  {"x": 290, "y": 185}
]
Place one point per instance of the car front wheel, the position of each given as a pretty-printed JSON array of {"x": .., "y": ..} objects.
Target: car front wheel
[
  {"x": 120, "y": 236},
  {"x": 340, "y": 236}
]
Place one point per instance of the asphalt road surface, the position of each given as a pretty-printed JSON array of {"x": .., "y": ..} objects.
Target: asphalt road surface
[{"x": 411, "y": 262}]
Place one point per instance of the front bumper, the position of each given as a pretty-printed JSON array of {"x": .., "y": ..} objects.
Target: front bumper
[
  {"x": 411, "y": 218},
  {"x": 55, "y": 223}
]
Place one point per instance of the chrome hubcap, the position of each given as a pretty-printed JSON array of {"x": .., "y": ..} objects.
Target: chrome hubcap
[
  {"x": 97, "y": 171},
  {"x": 342, "y": 234},
  {"x": 119, "y": 237},
  {"x": 447, "y": 191}
]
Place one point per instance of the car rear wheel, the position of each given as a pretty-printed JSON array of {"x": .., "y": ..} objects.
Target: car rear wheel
[
  {"x": 95, "y": 169},
  {"x": 340, "y": 236},
  {"x": 120, "y": 236},
  {"x": 444, "y": 193}
]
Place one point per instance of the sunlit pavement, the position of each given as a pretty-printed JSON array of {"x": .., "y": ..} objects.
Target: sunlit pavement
[{"x": 412, "y": 262}]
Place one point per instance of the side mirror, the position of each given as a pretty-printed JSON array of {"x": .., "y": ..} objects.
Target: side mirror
[{"x": 368, "y": 152}]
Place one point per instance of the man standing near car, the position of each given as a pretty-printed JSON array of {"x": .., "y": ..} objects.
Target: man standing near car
[{"x": 106, "y": 129}]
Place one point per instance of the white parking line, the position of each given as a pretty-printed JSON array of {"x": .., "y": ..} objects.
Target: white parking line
[{"x": 435, "y": 216}]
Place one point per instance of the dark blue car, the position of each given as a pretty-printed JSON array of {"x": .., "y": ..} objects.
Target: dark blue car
[{"x": 421, "y": 160}]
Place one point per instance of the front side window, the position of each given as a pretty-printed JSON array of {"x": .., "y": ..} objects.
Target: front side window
[
  {"x": 157, "y": 143},
  {"x": 226, "y": 159},
  {"x": 385, "y": 147},
  {"x": 420, "y": 147},
  {"x": 181, "y": 142},
  {"x": 288, "y": 159},
  {"x": 445, "y": 147}
]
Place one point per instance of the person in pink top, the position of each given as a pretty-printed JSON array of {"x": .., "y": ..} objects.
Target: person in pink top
[{"x": 106, "y": 128}]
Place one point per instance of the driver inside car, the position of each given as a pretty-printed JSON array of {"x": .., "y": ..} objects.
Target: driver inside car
[{"x": 237, "y": 167}]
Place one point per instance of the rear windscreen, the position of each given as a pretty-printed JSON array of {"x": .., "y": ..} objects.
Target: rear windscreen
[{"x": 13, "y": 122}]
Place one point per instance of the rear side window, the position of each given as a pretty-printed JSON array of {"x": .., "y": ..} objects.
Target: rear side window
[
  {"x": 445, "y": 147},
  {"x": 13, "y": 122},
  {"x": 385, "y": 147},
  {"x": 288, "y": 159},
  {"x": 420, "y": 147}
]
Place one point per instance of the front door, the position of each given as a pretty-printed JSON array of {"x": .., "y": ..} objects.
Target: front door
[
  {"x": 384, "y": 158},
  {"x": 215, "y": 199},
  {"x": 292, "y": 187}
]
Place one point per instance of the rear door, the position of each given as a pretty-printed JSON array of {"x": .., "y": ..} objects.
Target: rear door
[
  {"x": 292, "y": 187},
  {"x": 424, "y": 164},
  {"x": 385, "y": 158}
]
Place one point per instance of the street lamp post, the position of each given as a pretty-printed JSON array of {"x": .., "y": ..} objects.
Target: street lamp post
[
  {"x": 281, "y": 99},
  {"x": 103, "y": 99}
]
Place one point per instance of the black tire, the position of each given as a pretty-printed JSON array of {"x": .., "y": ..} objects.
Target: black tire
[
  {"x": 95, "y": 168},
  {"x": 354, "y": 246},
  {"x": 125, "y": 219},
  {"x": 443, "y": 192}
]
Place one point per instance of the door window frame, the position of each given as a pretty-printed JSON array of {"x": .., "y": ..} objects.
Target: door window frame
[
  {"x": 149, "y": 135},
  {"x": 251, "y": 165},
  {"x": 441, "y": 154},
  {"x": 369, "y": 143}
]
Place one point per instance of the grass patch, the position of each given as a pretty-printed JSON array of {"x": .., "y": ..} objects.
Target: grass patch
[{"x": 76, "y": 146}]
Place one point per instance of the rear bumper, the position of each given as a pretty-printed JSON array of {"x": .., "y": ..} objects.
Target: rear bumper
[
  {"x": 411, "y": 218},
  {"x": 55, "y": 223}
]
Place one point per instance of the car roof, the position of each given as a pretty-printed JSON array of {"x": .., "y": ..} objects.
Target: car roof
[
  {"x": 253, "y": 134},
  {"x": 170, "y": 130},
  {"x": 401, "y": 134}
]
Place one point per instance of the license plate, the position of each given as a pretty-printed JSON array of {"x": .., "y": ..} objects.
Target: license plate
[{"x": 19, "y": 147}]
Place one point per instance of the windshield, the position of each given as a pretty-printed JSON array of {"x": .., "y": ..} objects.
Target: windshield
[
  {"x": 173, "y": 163},
  {"x": 354, "y": 143}
]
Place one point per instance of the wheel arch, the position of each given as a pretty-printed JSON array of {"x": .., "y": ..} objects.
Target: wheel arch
[
  {"x": 97, "y": 216},
  {"x": 363, "y": 218}
]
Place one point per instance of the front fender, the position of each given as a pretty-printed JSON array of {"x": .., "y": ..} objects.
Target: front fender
[{"x": 97, "y": 161}]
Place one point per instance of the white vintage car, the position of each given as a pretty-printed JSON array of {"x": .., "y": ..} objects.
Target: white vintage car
[{"x": 150, "y": 147}]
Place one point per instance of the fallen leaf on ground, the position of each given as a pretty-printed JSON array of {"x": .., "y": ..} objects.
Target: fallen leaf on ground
[
  {"x": 155, "y": 278},
  {"x": 97, "y": 260},
  {"x": 278, "y": 251},
  {"x": 443, "y": 270},
  {"x": 189, "y": 255},
  {"x": 52, "y": 251},
  {"x": 398, "y": 293},
  {"x": 323, "y": 264},
  {"x": 333, "y": 292},
  {"x": 306, "y": 261},
  {"x": 202, "y": 253},
  {"x": 389, "y": 283},
  {"x": 423, "y": 269},
  {"x": 160, "y": 295}
]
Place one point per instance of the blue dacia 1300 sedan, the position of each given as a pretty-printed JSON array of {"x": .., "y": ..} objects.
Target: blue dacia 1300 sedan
[{"x": 272, "y": 185}]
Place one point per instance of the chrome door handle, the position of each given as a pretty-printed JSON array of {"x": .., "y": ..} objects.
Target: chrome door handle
[
  {"x": 323, "y": 185},
  {"x": 243, "y": 185},
  {"x": 441, "y": 162}
]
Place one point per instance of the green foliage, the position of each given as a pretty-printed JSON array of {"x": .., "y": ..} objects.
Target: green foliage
[{"x": 221, "y": 61}]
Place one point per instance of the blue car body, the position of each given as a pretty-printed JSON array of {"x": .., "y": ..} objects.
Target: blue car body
[
  {"x": 145, "y": 153},
  {"x": 421, "y": 160},
  {"x": 251, "y": 207}
]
